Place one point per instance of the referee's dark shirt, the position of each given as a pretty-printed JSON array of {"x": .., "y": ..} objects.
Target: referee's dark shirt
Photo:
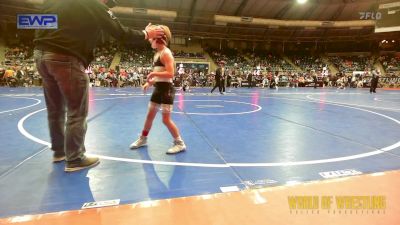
[{"x": 79, "y": 26}]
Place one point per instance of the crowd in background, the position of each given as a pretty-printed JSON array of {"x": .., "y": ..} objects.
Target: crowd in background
[
  {"x": 18, "y": 67},
  {"x": 104, "y": 54},
  {"x": 264, "y": 68},
  {"x": 391, "y": 63},
  {"x": 189, "y": 55},
  {"x": 308, "y": 62},
  {"x": 348, "y": 64}
]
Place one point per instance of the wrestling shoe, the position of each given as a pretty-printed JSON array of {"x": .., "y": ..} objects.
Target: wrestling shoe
[
  {"x": 140, "y": 142},
  {"x": 179, "y": 146}
]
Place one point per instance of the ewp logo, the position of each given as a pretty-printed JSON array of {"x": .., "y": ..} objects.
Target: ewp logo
[{"x": 37, "y": 21}]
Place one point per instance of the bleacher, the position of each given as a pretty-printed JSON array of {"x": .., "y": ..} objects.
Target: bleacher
[
  {"x": 308, "y": 62},
  {"x": 391, "y": 63},
  {"x": 348, "y": 64},
  {"x": 188, "y": 55},
  {"x": 104, "y": 54},
  {"x": 138, "y": 62},
  {"x": 269, "y": 62}
]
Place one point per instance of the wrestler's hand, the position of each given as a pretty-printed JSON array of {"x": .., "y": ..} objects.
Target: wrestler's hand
[
  {"x": 150, "y": 76},
  {"x": 145, "y": 87},
  {"x": 148, "y": 84},
  {"x": 154, "y": 32}
]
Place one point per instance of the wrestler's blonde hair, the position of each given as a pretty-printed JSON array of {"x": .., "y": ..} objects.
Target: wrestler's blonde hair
[{"x": 167, "y": 34}]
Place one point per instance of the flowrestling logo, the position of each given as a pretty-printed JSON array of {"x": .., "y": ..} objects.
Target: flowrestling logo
[
  {"x": 37, "y": 21},
  {"x": 370, "y": 15}
]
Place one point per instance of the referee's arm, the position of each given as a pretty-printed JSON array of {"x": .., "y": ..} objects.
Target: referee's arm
[{"x": 106, "y": 20}]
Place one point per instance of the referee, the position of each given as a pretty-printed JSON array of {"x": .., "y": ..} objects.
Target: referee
[{"x": 61, "y": 56}]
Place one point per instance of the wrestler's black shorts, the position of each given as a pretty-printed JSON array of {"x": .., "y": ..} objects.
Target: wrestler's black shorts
[{"x": 164, "y": 93}]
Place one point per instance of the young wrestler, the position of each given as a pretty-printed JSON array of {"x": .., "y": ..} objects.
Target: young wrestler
[{"x": 163, "y": 94}]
